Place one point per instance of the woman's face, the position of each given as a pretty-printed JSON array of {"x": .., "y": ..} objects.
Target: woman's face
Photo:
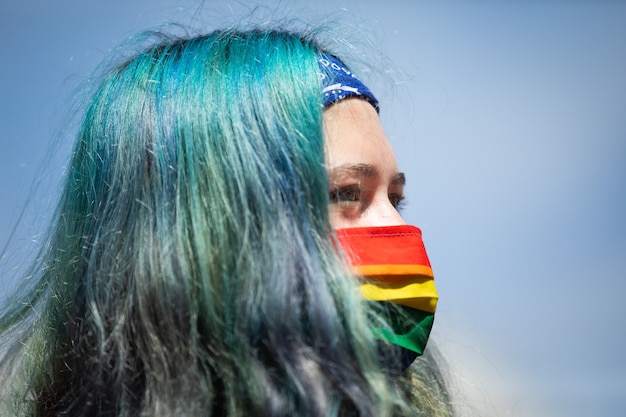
[{"x": 365, "y": 185}]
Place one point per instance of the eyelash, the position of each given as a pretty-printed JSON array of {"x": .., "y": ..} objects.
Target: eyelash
[
  {"x": 352, "y": 194},
  {"x": 397, "y": 200},
  {"x": 338, "y": 195}
]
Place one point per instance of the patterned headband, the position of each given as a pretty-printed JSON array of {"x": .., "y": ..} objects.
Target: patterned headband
[{"x": 339, "y": 82}]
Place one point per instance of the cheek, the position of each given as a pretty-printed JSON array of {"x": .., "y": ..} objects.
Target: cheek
[
  {"x": 344, "y": 217},
  {"x": 340, "y": 218},
  {"x": 336, "y": 221}
]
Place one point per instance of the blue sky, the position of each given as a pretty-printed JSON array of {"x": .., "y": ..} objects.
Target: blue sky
[{"x": 508, "y": 117}]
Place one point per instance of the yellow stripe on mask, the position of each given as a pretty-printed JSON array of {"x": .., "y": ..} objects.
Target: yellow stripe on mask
[{"x": 419, "y": 295}]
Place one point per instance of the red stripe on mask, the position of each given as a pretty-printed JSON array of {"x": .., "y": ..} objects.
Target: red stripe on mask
[{"x": 390, "y": 250}]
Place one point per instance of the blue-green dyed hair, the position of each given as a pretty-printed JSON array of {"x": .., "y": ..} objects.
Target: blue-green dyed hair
[{"x": 190, "y": 269}]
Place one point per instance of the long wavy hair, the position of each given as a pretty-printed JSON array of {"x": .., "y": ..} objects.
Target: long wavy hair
[{"x": 190, "y": 268}]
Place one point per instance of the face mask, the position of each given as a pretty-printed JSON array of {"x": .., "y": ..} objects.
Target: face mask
[{"x": 393, "y": 264}]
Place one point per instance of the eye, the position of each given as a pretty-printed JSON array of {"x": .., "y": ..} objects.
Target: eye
[
  {"x": 396, "y": 200},
  {"x": 345, "y": 195}
]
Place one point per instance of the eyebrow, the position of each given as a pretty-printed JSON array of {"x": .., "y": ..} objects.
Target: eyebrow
[{"x": 367, "y": 170}]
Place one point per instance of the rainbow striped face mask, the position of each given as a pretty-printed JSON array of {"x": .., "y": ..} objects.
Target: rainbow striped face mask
[{"x": 394, "y": 267}]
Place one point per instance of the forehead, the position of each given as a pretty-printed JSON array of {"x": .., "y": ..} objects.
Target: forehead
[{"x": 354, "y": 135}]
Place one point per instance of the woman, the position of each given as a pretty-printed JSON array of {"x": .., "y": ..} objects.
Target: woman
[{"x": 194, "y": 264}]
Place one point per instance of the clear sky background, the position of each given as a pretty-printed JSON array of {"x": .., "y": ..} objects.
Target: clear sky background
[{"x": 509, "y": 118}]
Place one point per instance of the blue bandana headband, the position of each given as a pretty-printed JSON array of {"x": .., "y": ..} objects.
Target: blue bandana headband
[{"x": 339, "y": 82}]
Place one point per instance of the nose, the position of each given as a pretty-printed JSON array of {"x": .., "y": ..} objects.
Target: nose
[{"x": 382, "y": 213}]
